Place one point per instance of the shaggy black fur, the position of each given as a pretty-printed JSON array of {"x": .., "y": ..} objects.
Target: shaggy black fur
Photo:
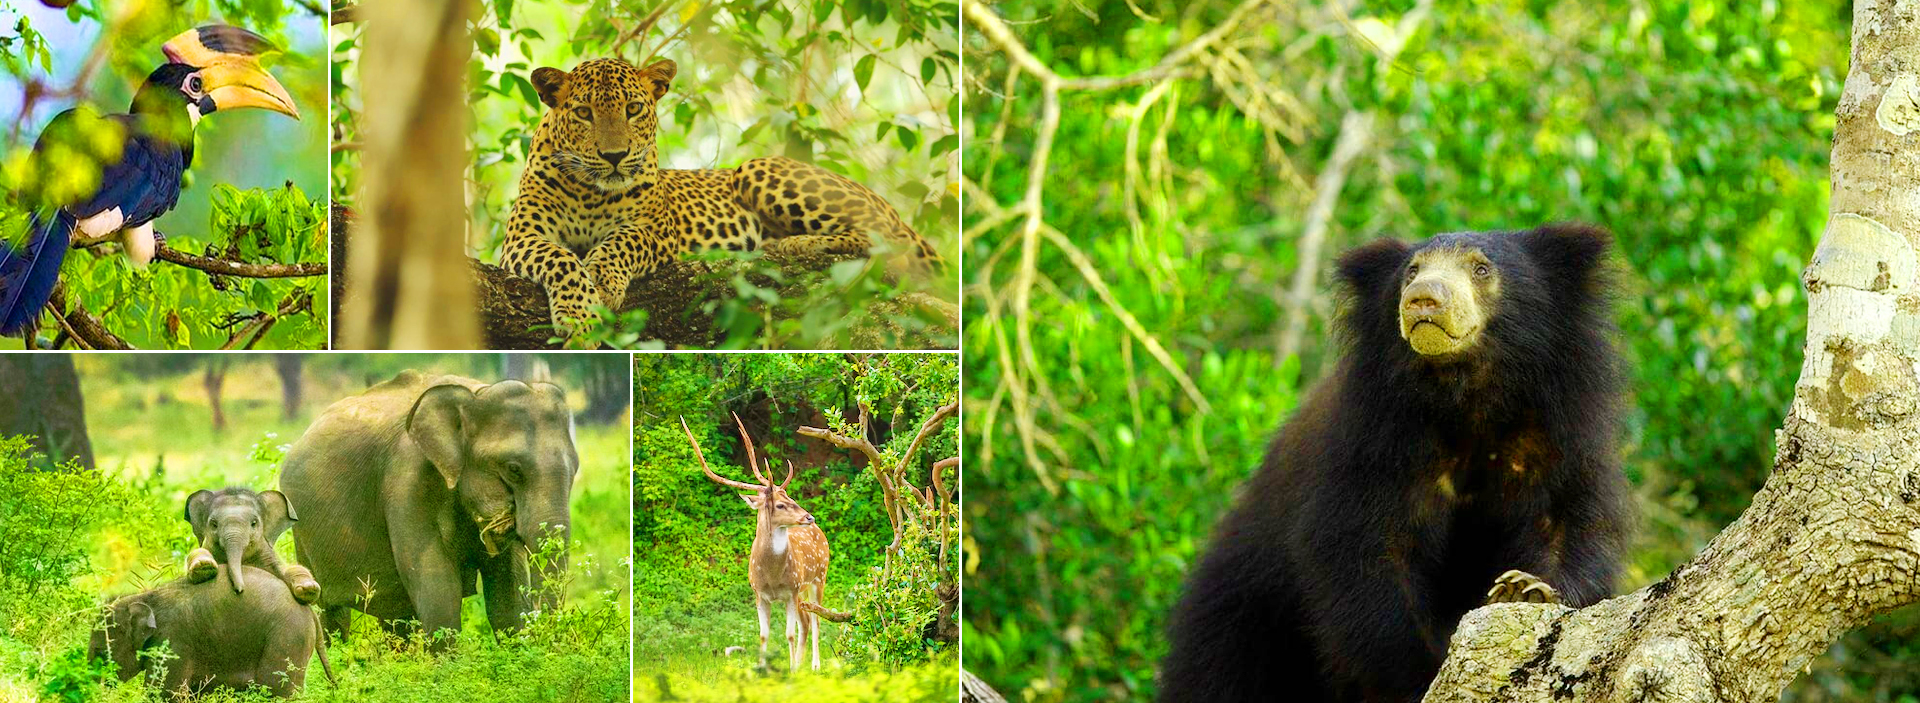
[{"x": 1345, "y": 565}]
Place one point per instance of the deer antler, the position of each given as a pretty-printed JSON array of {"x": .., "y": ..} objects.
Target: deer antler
[
  {"x": 783, "y": 484},
  {"x": 709, "y": 471},
  {"x": 752, "y": 462}
]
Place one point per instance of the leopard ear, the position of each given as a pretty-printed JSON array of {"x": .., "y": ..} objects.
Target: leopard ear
[
  {"x": 551, "y": 84},
  {"x": 660, "y": 75}
]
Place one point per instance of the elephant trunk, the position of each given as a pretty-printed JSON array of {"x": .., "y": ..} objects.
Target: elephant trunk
[{"x": 234, "y": 541}]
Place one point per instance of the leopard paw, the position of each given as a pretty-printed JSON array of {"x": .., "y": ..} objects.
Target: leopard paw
[{"x": 1516, "y": 586}]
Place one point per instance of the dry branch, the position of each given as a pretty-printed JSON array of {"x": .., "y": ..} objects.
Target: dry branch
[
  {"x": 227, "y": 267},
  {"x": 81, "y": 325}
]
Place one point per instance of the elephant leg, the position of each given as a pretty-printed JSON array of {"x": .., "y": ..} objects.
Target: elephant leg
[
  {"x": 501, "y": 584},
  {"x": 306, "y": 591},
  {"x": 339, "y": 621},
  {"x": 762, "y": 603},
  {"x": 201, "y": 567},
  {"x": 431, "y": 578}
]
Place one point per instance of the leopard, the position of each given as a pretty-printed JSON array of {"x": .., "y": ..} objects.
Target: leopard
[{"x": 595, "y": 211}]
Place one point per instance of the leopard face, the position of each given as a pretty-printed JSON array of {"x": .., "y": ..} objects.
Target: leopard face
[{"x": 600, "y": 123}]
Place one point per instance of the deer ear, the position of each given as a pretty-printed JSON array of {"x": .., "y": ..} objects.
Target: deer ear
[
  {"x": 753, "y": 500},
  {"x": 437, "y": 426}
]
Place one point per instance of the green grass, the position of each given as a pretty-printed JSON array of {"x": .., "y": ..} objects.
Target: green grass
[{"x": 154, "y": 442}]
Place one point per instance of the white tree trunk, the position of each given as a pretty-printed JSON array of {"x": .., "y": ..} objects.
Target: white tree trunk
[{"x": 1834, "y": 537}]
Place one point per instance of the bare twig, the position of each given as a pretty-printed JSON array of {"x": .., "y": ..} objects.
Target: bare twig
[
  {"x": 1356, "y": 129},
  {"x": 346, "y": 14}
]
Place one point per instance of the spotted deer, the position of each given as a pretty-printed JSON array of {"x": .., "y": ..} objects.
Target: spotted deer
[{"x": 788, "y": 563}]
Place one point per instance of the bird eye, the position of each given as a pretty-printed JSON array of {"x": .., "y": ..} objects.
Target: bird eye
[
  {"x": 633, "y": 109},
  {"x": 584, "y": 113},
  {"x": 1482, "y": 270},
  {"x": 193, "y": 84}
]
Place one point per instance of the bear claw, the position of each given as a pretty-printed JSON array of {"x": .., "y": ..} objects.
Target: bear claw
[{"x": 1517, "y": 586}]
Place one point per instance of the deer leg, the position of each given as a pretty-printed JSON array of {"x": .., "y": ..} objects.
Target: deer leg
[
  {"x": 793, "y": 632},
  {"x": 762, "y": 603},
  {"x": 813, "y": 628}
]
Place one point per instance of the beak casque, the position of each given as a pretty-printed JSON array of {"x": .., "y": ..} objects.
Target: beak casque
[{"x": 229, "y": 61}]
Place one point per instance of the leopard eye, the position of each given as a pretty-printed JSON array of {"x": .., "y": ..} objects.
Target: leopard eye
[
  {"x": 584, "y": 113},
  {"x": 633, "y": 109}
]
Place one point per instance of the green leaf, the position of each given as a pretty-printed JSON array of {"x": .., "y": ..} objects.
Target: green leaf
[{"x": 863, "y": 70}]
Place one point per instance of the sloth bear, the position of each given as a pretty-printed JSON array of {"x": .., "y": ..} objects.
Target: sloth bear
[{"x": 1462, "y": 451}]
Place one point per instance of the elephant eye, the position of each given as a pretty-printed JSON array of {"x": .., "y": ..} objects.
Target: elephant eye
[
  {"x": 513, "y": 469},
  {"x": 256, "y": 522}
]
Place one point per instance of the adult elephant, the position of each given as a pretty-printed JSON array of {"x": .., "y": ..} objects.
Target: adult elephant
[{"x": 418, "y": 488}]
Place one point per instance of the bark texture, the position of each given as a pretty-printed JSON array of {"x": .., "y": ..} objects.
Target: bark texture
[
  {"x": 408, "y": 287},
  {"x": 42, "y": 393},
  {"x": 1834, "y": 536}
]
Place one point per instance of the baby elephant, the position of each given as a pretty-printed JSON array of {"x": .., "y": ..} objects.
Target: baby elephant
[
  {"x": 238, "y": 526},
  {"x": 220, "y": 638}
]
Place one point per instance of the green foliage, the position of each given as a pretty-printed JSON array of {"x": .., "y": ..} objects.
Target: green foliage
[
  {"x": 933, "y": 681},
  {"x": 691, "y": 537},
  {"x": 1698, "y": 135}
]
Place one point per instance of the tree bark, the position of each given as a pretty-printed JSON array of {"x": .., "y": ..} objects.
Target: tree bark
[
  {"x": 1833, "y": 538},
  {"x": 290, "y": 368},
  {"x": 513, "y": 310},
  {"x": 42, "y": 393},
  {"x": 213, "y": 380},
  {"x": 408, "y": 287}
]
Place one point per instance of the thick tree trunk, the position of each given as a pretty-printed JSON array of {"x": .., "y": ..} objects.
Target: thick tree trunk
[
  {"x": 42, "y": 398},
  {"x": 1833, "y": 539},
  {"x": 289, "y": 366},
  {"x": 213, "y": 380},
  {"x": 409, "y": 287}
]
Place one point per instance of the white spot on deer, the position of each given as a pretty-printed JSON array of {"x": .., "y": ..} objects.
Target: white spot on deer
[{"x": 779, "y": 541}]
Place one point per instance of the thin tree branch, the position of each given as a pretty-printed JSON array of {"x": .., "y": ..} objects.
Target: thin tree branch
[
  {"x": 82, "y": 325},
  {"x": 1356, "y": 129},
  {"x": 345, "y": 14},
  {"x": 227, "y": 267}
]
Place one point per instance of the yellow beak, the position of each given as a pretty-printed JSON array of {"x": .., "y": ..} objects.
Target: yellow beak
[
  {"x": 239, "y": 81},
  {"x": 229, "y": 59}
]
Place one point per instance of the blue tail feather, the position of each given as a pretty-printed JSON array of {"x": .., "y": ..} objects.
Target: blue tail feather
[{"x": 27, "y": 273}]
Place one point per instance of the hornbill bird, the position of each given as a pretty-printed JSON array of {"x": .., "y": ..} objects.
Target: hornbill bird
[{"x": 216, "y": 67}]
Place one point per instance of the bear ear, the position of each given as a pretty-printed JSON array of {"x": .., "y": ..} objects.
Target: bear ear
[
  {"x": 1365, "y": 267},
  {"x": 1569, "y": 251}
]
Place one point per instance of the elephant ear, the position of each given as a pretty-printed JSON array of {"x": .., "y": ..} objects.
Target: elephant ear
[
  {"x": 198, "y": 505},
  {"x": 438, "y": 427},
  {"x": 276, "y": 515}
]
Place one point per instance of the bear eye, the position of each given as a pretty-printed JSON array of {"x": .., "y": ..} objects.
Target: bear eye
[
  {"x": 1412, "y": 269},
  {"x": 584, "y": 113},
  {"x": 1482, "y": 270},
  {"x": 633, "y": 109}
]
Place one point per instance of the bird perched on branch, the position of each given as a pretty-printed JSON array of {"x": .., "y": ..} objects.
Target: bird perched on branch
[{"x": 139, "y": 156}]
